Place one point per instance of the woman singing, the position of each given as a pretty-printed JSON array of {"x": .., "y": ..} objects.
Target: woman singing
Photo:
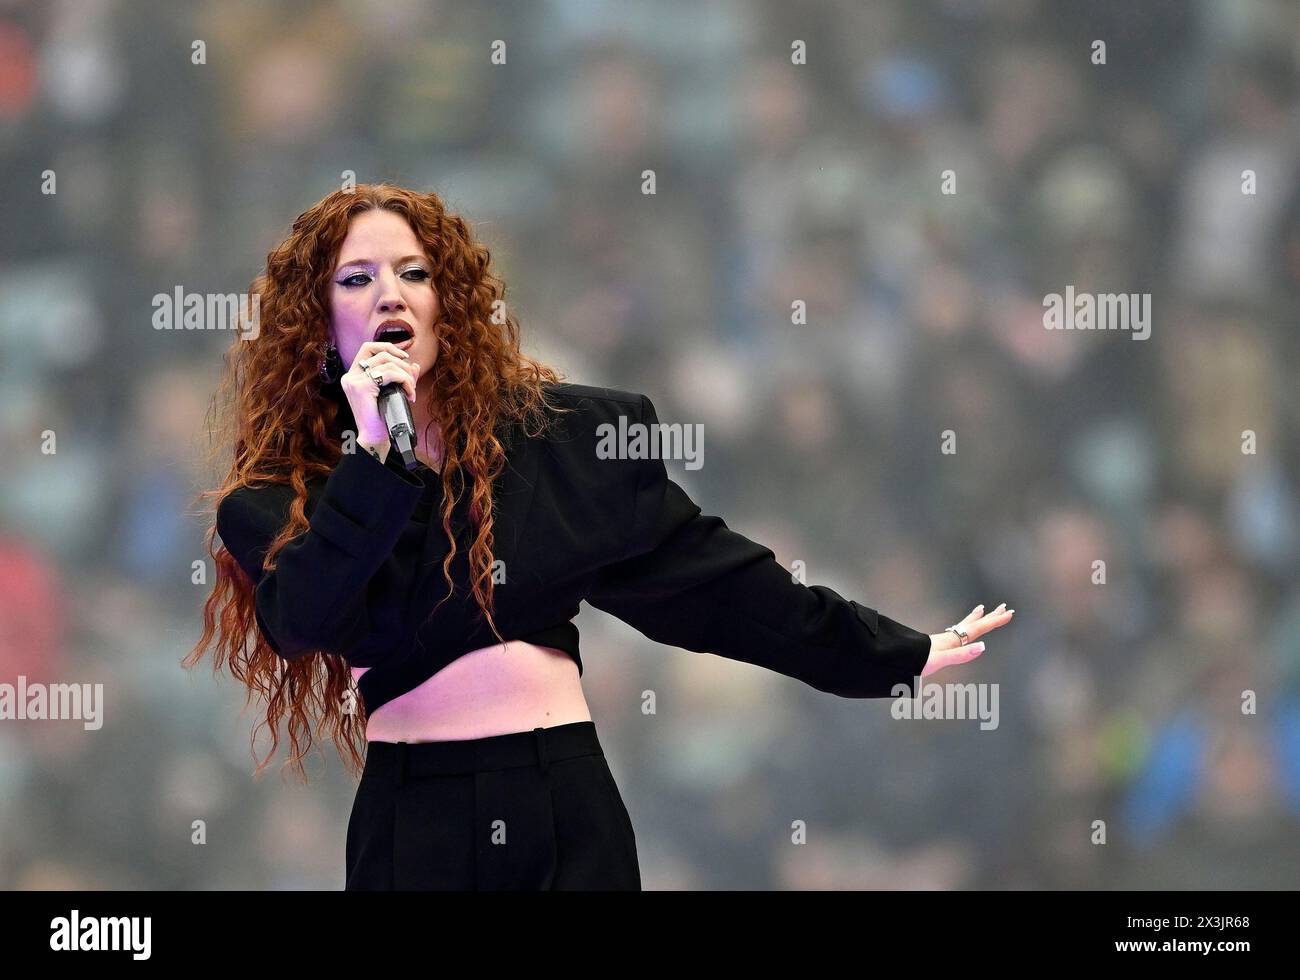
[{"x": 425, "y": 607}]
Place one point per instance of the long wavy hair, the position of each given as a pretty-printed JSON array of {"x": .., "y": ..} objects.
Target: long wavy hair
[{"x": 284, "y": 426}]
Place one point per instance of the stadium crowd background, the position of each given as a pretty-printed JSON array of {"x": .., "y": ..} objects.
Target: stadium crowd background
[{"x": 1119, "y": 703}]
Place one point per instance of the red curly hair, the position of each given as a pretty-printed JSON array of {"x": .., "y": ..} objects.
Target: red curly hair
[{"x": 285, "y": 427}]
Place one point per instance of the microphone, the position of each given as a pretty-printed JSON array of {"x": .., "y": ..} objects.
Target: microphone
[{"x": 396, "y": 413}]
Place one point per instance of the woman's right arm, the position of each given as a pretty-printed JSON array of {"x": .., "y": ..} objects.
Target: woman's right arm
[{"x": 315, "y": 598}]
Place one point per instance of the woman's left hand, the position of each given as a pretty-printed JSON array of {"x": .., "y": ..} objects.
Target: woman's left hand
[{"x": 946, "y": 649}]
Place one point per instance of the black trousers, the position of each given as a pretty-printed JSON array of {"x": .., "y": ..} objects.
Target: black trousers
[{"x": 526, "y": 810}]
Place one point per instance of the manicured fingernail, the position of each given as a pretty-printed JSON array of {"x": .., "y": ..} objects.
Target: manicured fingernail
[
  {"x": 978, "y": 647},
  {"x": 1001, "y": 605},
  {"x": 1010, "y": 610}
]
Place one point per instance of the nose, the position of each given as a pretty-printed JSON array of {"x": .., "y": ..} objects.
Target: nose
[{"x": 390, "y": 296}]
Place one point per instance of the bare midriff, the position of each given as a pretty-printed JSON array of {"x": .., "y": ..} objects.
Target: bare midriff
[{"x": 496, "y": 690}]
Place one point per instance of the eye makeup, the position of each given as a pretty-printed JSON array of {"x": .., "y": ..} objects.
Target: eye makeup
[{"x": 348, "y": 280}]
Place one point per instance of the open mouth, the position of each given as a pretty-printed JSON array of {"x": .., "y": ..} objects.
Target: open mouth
[{"x": 394, "y": 332}]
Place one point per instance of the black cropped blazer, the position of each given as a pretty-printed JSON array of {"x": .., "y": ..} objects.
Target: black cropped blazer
[{"x": 363, "y": 579}]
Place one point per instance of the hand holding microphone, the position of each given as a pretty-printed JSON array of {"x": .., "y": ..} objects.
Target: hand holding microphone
[{"x": 375, "y": 385}]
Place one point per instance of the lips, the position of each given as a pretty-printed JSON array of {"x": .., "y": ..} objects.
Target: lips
[{"x": 397, "y": 332}]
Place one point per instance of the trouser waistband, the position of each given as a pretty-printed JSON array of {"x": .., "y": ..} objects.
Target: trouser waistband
[{"x": 411, "y": 760}]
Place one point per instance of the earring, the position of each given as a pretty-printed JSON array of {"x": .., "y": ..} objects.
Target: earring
[{"x": 331, "y": 366}]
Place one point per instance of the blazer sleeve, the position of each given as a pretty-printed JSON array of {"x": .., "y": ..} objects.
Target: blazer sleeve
[
  {"x": 315, "y": 598},
  {"x": 690, "y": 581}
]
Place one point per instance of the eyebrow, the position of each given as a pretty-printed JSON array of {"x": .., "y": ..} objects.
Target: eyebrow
[{"x": 404, "y": 258}]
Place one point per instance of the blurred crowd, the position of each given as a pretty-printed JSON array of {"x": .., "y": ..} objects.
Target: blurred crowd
[{"x": 1149, "y": 730}]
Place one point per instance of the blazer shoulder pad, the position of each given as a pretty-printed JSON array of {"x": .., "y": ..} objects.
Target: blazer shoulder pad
[
  {"x": 595, "y": 468},
  {"x": 593, "y": 405},
  {"x": 249, "y": 517}
]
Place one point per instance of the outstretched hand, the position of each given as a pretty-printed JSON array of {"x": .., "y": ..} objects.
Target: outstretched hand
[{"x": 946, "y": 649}]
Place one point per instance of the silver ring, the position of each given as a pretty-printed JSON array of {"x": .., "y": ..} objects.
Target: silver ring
[
  {"x": 365, "y": 365},
  {"x": 961, "y": 635},
  {"x": 376, "y": 378}
]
